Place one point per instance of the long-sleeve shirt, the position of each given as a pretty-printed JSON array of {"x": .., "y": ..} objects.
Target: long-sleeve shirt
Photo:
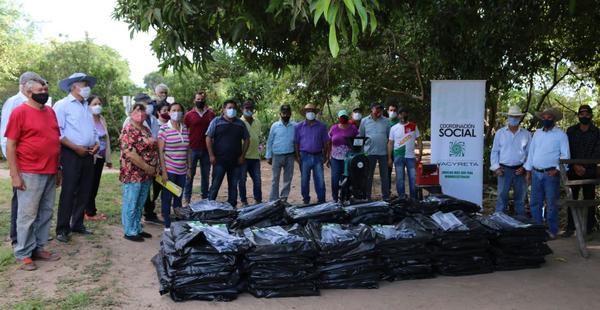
[
  {"x": 509, "y": 148},
  {"x": 281, "y": 139},
  {"x": 546, "y": 148},
  {"x": 76, "y": 122},
  {"x": 584, "y": 145},
  {"x": 7, "y": 109}
]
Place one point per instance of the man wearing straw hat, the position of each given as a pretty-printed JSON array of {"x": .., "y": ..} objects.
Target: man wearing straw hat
[
  {"x": 509, "y": 152},
  {"x": 548, "y": 146}
]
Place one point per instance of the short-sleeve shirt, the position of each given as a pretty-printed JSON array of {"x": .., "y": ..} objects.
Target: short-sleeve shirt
[
  {"x": 197, "y": 125},
  {"x": 378, "y": 131},
  {"x": 404, "y": 136},
  {"x": 176, "y": 147},
  {"x": 227, "y": 139},
  {"x": 339, "y": 141},
  {"x": 311, "y": 138},
  {"x": 38, "y": 139},
  {"x": 254, "y": 131},
  {"x": 141, "y": 142}
]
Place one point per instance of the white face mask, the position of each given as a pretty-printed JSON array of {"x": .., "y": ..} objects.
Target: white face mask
[
  {"x": 356, "y": 116},
  {"x": 176, "y": 116},
  {"x": 248, "y": 113},
  {"x": 149, "y": 109},
  {"x": 85, "y": 92},
  {"x": 310, "y": 116},
  {"x": 393, "y": 114},
  {"x": 97, "y": 109},
  {"x": 231, "y": 113}
]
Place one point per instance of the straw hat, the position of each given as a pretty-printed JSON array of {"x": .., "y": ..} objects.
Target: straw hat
[
  {"x": 513, "y": 111},
  {"x": 310, "y": 106},
  {"x": 556, "y": 113}
]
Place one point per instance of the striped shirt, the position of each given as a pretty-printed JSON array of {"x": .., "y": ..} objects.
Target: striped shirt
[{"x": 176, "y": 147}]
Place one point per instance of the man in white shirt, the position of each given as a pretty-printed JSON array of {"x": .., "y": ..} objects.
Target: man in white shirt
[
  {"x": 509, "y": 153},
  {"x": 401, "y": 153},
  {"x": 7, "y": 108},
  {"x": 548, "y": 146}
]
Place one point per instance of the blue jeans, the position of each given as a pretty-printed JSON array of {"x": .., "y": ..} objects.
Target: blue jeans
[
  {"x": 411, "y": 168},
  {"x": 233, "y": 176},
  {"x": 202, "y": 156},
  {"x": 519, "y": 185},
  {"x": 312, "y": 162},
  {"x": 337, "y": 170},
  {"x": 167, "y": 199},
  {"x": 134, "y": 197},
  {"x": 251, "y": 167},
  {"x": 383, "y": 175},
  {"x": 545, "y": 187}
]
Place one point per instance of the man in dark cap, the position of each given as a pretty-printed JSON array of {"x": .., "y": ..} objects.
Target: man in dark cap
[
  {"x": 584, "y": 143},
  {"x": 377, "y": 128},
  {"x": 280, "y": 153}
]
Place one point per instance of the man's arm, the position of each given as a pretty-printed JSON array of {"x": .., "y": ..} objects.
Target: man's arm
[
  {"x": 390, "y": 151},
  {"x": 269, "y": 153},
  {"x": 11, "y": 155},
  {"x": 209, "y": 147}
]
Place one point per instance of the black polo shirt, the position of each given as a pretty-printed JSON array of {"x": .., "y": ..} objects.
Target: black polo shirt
[
  {"x": 228, "y": 137},
  {"x": 584, "y": 145}
]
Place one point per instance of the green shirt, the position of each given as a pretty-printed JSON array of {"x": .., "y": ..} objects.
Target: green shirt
[{"x": 254, "y": 130}]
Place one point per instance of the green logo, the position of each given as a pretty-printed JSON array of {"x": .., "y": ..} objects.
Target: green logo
[{"x": 457, "y": 149}]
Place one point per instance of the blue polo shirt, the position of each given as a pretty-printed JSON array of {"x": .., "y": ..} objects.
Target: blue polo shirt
[{"x": 228, "y": 137}]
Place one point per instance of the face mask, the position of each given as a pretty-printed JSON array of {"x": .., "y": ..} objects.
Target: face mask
[
  {"x": 310, "y": 116},
  {"x": 176, "y": 116},
  {"x": 149, "y": 109},
  {"x": 165, "y": 116},
  {"x": 97, "y": 109},
  {"x": 138, "y": 116},
  {"x": 585, "y": 120},
  {"x": 393, "y": 114},
  {"x": 548, "y": 123},
  {"x": 343, "y": 120},
  {"x": 162, "y": 98},
  {"x": 200, "y": 104},
  {"x": 40, "y": 98},
  {"x": 248, "y": 113},
  {"x": 85, "y": 92},
  {"x": 513, "y": 121},
  {"x": 231, "y": 113},
  {"x": 356, "y": 116}
]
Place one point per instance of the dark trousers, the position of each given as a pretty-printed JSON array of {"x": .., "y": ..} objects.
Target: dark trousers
[
  {"x": 150, "y": 203},
  {"x": 76, "y": 190},
  {"x": 13, "y": 217},
  {"x": 167, "y": 199},
  {"x": 201, "y": 156},
  {"x": 251, "y": 167},
  {"x": 589, "y": 193},
  {"x": 218, "y": 174},
  {"x": 90, "y": 209}
]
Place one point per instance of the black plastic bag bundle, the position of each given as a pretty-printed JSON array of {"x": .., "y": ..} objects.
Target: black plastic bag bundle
[
  {"x": 198, "y": 261},
  {"x": 261, "y": 215},
  {"x": 517, "y": 243},
  {"x": 324, "y": 212},
  {"x": 207, "y": 211},
  {"x": 440, "y": 202},
  {"x": 460, "y": 243},
  {"x": 347, "y": 256},
  {"x": 402, "y": 251},
  {"x": 370, "y": 213},
  {"x": 281, "y": 262},
  {"x": 403, "y": 207}
]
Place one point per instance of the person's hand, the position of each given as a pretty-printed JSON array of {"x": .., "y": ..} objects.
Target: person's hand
[
  {"x": 18, "y": 183},
  {"x": 579, "y": 170},
  {"x": 328, "y": 163},
  {"x": 165, "y": 177},
  {"x": 520, "y": 171},
  {"x": 81, "y": 151},
  {"x": 213, "y": 160},
  {"x": 553, "y": 172},
  {"x": 390, "y": 163},
  {"x": 149, "y": 170},
  {"x": 94, "y": 149},
  {"x": 270, "y": 161},
  {"x": 58, "y": 178},
  {"x": 241, "y": 160},
  {"x": 109, "y": 165},
  {"x": 528, "y": 177},
  {"x": 499, "y": 172}
]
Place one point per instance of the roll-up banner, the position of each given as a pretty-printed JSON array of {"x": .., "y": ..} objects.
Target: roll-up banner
[{"x": 457, "y": 133}]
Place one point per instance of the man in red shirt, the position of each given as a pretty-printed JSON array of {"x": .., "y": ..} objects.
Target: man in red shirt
[
  {"x": 197, "y": 121},
  {"x": 33, "y": 149}
]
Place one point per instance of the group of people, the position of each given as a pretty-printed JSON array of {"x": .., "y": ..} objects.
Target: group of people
[
  {"x": 68, "y": 145},
  {"x": 518, "y": 159}
]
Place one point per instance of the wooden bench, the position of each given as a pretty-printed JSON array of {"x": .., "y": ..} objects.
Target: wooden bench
[{"x": 579, "y": 208}]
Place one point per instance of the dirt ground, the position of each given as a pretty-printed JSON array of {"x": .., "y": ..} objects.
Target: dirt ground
[{"x": 118, "y": 274}]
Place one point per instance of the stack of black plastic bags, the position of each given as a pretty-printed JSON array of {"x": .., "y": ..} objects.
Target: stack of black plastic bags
[{"x": 276, "y": 250}]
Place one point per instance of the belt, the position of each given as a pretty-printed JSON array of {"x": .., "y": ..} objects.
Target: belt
[
  {"x": 311, "y": 153},
  {"x": 544, "y": 169},
  {"x": 511, "y": 167},
  {"x": 286, "y": 154}
]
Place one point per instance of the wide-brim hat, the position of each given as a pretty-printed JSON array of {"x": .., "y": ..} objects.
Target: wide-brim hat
[
  {"x": 310, "y": 106},
  {"x": 65, "y": 84},
  {"x": 556, "y": 113},
  {"x": 513, "y": 111}
]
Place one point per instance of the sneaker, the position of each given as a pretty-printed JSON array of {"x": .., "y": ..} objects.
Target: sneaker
[
  {"x": 144, "y": 234},
  {"x": 63, "y": 238},
  {"x": 167, "y": 229},
  {"x": 567, "y": 234},
  {"x": 44, "y": 255},
  {"x": 550, "y": 236},
  {"x": 83, "y": 231},
  {"x": 154, "y": 221},
  {"x": 27, "y": 264},
  {"x": 137, "y": 238}
]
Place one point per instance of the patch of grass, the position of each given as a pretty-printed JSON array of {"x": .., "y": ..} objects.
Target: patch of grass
[
  {"x": 6, "y": 192},
  {"x": 29, "y": 304},
  {"x": 77, "y": 300},
  {"x": 6, "y": 258},
  {"x": 108, "y": 200}
]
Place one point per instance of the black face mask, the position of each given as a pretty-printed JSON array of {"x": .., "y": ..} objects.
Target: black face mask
[
  {"x": 585, "y": 120},
  {"x": 40, "y": 98},
  {"x": 548, "y": 123},
  {"x": 285, "y": 119},
  {"x": 200, "y": 104}
]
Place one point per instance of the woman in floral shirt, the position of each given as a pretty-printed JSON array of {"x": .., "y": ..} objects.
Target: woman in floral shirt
[
  {"x": 339, "y": 133},
  {"x": 139, "y": 165}
]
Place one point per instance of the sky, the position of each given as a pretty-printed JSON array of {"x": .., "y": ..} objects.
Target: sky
[{"x": 68, "y": 20}]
